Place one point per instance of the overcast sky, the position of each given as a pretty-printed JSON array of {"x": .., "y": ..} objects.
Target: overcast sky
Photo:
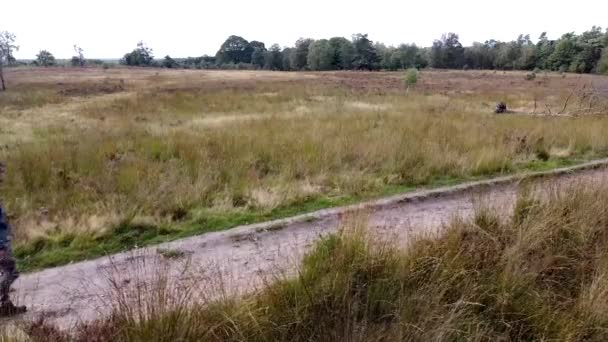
[{"x": 110, "y": 28}]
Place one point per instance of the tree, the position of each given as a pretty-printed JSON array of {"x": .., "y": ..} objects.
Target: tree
[
  {"x": 481, "y": 55},
  {"x": 7, "y": 46},
  {"x": 256, "y": 44},
  {"x": 437, "y": 56},
  {"x": 78, "y": 60},
  {"x": 603, "y": 63},
  {"x": 320, "y": 55},
  {"x": 141, "y": 56},
  {"x": 385, "y": 54},
  {"x": 447, "y": 52},
  {"x": 564, "y": 53},
  {"x": 454, "y": 51},
  {"x": 170, "y": 63},
  {"x": 286, "y": 58},
  {"x": 589, "y": 46},
  {"x": 422, "y": 58},
  {"x": 299, "y": 55},
  {"x": 506, "y": 55},
  {"x": 544, "y": 49},
  {"x": 406, "y": 56},
  {"x": 343, "y": 53},
  {"x": 257, "y": 57},
  {"x": 235, "y": 50},
  {"x": 45, "y": 59},
  {"x": 273, "y": 58},
  {"x": 365, "y": 57},
  {"x": 527, "y": 58}
]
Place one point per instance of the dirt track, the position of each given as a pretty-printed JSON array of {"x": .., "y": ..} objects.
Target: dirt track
[{"x": 244, "y": 255}]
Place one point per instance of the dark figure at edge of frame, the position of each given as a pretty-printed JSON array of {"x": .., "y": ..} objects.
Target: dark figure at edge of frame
[{"x": 8, "y": 268}]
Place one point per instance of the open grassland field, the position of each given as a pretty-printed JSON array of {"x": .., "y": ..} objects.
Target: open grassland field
[{"x": 102, "y": 160}]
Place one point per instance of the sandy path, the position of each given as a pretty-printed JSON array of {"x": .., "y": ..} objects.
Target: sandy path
[{"x": 78, "y": 292}]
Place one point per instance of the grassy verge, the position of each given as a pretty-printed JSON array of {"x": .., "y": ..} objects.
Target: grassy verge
[
  {"x": 538, "y": 276},
  {"x": 61, "y": 249}
]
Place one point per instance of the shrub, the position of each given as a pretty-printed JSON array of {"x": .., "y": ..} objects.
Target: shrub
[
  {"x": 542, "y": 154},
  {"x": 411, "y": 77},
  {"x": 531, "y": 76}
]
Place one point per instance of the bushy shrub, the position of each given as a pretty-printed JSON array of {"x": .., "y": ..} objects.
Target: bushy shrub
[{"x": 411, "y": 77}]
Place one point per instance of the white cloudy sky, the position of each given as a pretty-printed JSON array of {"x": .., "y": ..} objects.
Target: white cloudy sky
[{"x": 109, "y": 28}]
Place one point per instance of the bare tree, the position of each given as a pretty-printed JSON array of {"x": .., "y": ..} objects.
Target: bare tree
[
  {"x": 79, "y": 58},
  {"x": 7, "y": 45}
]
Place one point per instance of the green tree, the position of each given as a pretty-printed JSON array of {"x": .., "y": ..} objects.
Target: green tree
[
  {"x": 408, "y": 56},
  {"x": 481, "y": 55},
  {"x": 603, "y": 63},
  {"x": 454, "y": 51},
  {"x": 564, "y": 53},
  {"x": 170, "y": 63},
  {"x": 527, "y": 58},
  {"x": 544, "y": 49},
  {"x": 286, "y": 59},
  {"x": 299, "y": 56},
  {"x": 7, "y": 46},
  {"x": 256, "y": 44},
  {"x": 385, "y": 56},
  {"x": 257, "y": 57},
  {"x": 45, "y": 58},
  {"x": 524, "y": 53},
  {"x": 273, "y": 58},
  {"x": 140, "y": 56},
  {"x": 365, "y": 56},
  {"x": 320, "y": 55},
  {"x": 235, "y": 50},
  {"x": 437, "y": 56},
  {"x": 589, "y": 50},
  {"x": 343, "y": 53}
]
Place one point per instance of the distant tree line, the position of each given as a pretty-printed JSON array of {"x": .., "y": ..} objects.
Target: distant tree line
[
  {"x": 584, "y": 53},
  {"x": 581, "y": 53}
]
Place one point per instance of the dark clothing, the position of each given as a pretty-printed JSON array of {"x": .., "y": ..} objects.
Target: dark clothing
[
  {"x": 5, "y": 230},
  {"x": 8, "y": 269}
]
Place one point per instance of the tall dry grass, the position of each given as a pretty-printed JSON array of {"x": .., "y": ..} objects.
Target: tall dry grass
[
  {"x": 165, "y": 152},
  {"x": 538, "y": 275}
]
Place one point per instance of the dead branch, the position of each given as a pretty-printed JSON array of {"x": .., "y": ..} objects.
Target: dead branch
[{"x": 566, "y": 103}]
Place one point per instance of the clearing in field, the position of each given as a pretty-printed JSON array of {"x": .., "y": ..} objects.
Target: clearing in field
[{"x": 103, "y": 160}]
